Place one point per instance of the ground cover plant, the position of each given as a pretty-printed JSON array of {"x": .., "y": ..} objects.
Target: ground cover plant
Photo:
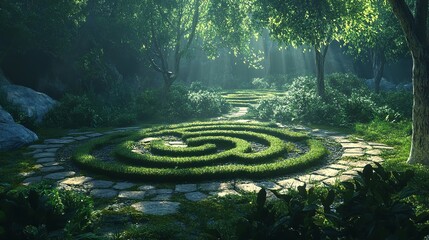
[{"x": 243, "y": 150}]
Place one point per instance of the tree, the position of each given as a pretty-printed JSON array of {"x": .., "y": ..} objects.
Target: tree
[
  {"x": 381, "y": 41},
  {"x": 166, "y": 30},
  {"x": 415, "y": 27},
  {"x": 314, "y": 23}
]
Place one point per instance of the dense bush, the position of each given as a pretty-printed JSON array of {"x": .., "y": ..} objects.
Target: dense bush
[
  {"x": 347, "y": 101},
  {"x": 182, "y": 103},
  {"x": 178, "y": 104},
  {"x": 375, "y": 205},
  {"x": 42, "y": 212},
  {"x": 73, "y": 111}
]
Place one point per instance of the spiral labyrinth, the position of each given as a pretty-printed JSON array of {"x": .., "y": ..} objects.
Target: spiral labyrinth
[{"x": 201, "y": 151}]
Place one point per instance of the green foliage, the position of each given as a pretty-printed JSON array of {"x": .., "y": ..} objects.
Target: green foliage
[
  {"x": 384, "y": 34},
  {"x": 347, "y": 101},
  {"x": 37, "y": 212},
  {"x": 72, "y": 112},
  {"x": 207, "y": 103},
  {"x": 181, "y": 104},
  {"x": 372, "y": 206},
  {"x": 239, "y": 161}
]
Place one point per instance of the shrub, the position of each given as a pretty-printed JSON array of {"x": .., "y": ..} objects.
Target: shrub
[
  {"x": 207, "y": 104},
  {"x": 35, "y": 212},
  {"x": 372, "y": 206},
  {"x": 73, "y": 111},
  {"x": 147, "y": 105},
  {"x": 347, "y": 101}
]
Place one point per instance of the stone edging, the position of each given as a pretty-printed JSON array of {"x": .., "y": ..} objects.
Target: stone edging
[{"x": 155, "y": 200}]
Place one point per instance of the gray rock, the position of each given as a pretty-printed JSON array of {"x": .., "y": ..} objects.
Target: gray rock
[
  {"x": 13, "y": 136},
  {"x": 5, "y": 117},
  {"x": 33, "y": 104},
  {"x": 157, "y": 208}
]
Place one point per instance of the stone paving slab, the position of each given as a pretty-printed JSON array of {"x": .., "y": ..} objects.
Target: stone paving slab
[
  {"x": 45, "y": 160},
  {"x": 103, "y": 193},
  {"x": 309, "y": 178},
  {"x": 44, "y": 155},
  {"x": 99, "y": 184},
  {"x": 157, "y": 208},
  {"x": 52, "y": 169},
  {"x": 146, "y": 187},
  {"x": 80, "y": 138},
  {"x": 123, "y": 185},
  {"x": 248, "y": 187},
  {"x": 58, "y": 141},
  {"x": 32, "y": 180},
  {"x": 92, "y": 135},
  {"x": 135, "y": 195},
  {"x": 338, "y": 166},
  {"x": 59, "y": 175},
  {"x": 269, "y": 185},
  {"x": 214, "y": 186},
  {"x": 76, "y": 180},
  {"x": 162, "y": 197},
  {"x": 329, "y": 172},
  {"x": 224, "y": 193},
  {"x": 184, "y": 188},
  {"x": 195, "y": 196},
  {"x": 290, "y": 183},
  {"x": 375, "y": 152}
]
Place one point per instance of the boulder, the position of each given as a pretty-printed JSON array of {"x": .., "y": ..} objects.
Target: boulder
[
  {"x": 5, "y": 117},
  {"x": 405, "y": 87},
  {"x": 13, "y": 135},
  {"x": 33, "y": 104}
]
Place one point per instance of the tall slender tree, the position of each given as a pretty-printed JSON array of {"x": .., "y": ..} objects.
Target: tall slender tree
[
  {"x": 415, "y": 27},
  {"x": 314, "y": 23}
]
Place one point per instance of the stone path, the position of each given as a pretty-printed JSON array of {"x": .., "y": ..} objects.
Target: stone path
[{"x": 157, "y": 200}]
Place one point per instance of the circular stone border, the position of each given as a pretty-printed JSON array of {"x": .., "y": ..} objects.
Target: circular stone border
[{"x": 149, "y": 198}]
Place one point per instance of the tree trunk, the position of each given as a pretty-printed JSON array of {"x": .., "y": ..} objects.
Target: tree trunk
[
  {"x": 378, "y": 61},
  {"x": 419, "y": 152},
  {"x": 320, "y": 69},
  {"x": 416, "y": 34}
]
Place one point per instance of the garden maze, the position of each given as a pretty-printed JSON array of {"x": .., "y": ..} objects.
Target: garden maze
[{"x": 198, "y": 151}]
